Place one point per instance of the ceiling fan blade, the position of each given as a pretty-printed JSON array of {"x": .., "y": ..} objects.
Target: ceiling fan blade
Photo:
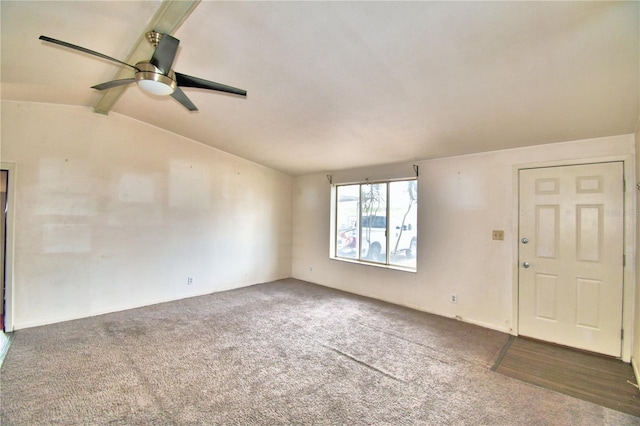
[
  {"x": 113, "y": 83},
  {"x": 165, "y": 53},
  {"x": 188, "y": 81},
  {"x": 179, "y": 96},
  {"x": 84, "y": 50}
]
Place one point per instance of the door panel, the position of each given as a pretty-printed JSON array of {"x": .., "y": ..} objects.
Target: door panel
[{"x": 570, "y": 256}]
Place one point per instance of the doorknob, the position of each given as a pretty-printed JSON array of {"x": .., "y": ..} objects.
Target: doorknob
[
  {"x": 525, "y": 240},
  {"x": 526, "y": 264}
]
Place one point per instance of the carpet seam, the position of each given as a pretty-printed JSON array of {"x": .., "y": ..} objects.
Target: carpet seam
[{"x": 364, "y": 363}]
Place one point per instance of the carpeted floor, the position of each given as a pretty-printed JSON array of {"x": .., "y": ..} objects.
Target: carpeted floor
[{"x": 277, "y": 353}]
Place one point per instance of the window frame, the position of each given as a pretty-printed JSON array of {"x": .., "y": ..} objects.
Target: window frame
[{"x": 358, "y": 259}]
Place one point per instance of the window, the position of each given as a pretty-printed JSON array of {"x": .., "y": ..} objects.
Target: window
[{"x": 377, "y": 223}]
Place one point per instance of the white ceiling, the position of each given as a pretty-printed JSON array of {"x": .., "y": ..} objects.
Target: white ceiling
[{"x": 335, "y": 85}]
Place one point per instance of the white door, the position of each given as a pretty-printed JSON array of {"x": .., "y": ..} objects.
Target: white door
[{"x": 571, "y": 256}]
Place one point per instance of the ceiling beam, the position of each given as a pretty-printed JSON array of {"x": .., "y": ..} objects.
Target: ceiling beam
[{"x": 167, "y": 19}]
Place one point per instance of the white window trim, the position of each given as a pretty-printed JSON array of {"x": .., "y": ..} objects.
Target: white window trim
[{"x": 333, "y": 234}]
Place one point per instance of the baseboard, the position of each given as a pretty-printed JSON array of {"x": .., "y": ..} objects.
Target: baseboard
[
  {"x": 5, "y": 342},
  {"x": 415, "y": 307},
  {"x": 126, "y": 307},
  {"x": 635, "y": 371}
]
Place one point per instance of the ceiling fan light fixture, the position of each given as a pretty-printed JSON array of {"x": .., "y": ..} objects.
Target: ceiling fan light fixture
[
  {"x": 155, "y": 87},
  {"x": 151, "y": 80}
]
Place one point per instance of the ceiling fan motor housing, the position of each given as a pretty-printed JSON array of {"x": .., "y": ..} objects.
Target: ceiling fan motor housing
[{"x": 152, "y": 80}]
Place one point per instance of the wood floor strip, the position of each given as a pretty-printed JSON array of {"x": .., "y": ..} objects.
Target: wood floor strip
[
  {"x": 590, "y": 377},
  {"x": 502, "y": 354}
]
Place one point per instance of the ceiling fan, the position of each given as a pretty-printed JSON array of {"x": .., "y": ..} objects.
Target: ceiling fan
[{"x": 156, "y": 76}]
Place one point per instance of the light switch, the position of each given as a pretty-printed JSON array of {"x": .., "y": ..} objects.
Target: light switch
[{"x": 498, "y": 235}]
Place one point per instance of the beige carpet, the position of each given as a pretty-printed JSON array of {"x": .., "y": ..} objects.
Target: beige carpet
[{"x": 286, "y": 352}]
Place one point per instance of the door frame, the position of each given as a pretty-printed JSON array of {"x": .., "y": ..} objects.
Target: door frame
[
  {"x": 10, "y": 247},
  {"x": 629, "y": 273}
]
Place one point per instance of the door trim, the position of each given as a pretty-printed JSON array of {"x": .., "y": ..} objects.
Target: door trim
[
  {"x": 10, "y": 248},
  {"x": 629, "y": 274}
]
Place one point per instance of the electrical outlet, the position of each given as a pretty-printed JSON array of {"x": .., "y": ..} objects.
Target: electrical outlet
[
  {"x": 189, "y": 280},
  {"x": 454, "y": 298},
  {"x": 310, "y": 268},
  {"x": 498, "y": 235}
]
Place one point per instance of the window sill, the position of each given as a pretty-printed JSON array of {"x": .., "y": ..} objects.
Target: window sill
[{"x": 374, "y": 264}]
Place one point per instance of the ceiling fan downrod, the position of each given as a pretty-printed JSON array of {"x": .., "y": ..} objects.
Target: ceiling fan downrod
[{"x": 154, "y": 38}]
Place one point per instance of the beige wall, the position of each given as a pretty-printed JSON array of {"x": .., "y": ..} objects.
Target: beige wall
[
  {"x": 461, "y": 200},
  {"x": 112, "y": 214}
]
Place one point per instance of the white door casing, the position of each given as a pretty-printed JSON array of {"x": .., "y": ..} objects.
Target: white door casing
[
  {"x": 9, "y": 246},
  {"x": 571, "y": 231}
]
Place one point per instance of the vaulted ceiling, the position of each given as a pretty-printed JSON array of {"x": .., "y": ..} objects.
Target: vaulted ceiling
[{"x": 335, "y": 85}]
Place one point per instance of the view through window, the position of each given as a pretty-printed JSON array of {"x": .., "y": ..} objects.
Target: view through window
[{"x": 377, "y": 222}]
